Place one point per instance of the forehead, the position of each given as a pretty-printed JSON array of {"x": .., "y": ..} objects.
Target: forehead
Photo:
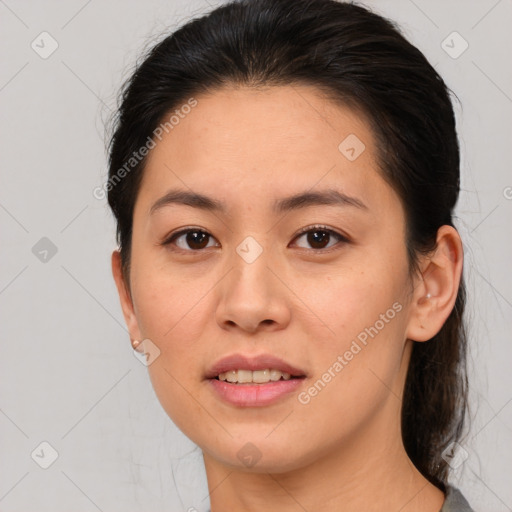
[{"x": 243, "y": 143}]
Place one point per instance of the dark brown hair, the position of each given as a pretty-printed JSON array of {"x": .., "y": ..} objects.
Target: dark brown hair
[{"x": 359, "y": 59}]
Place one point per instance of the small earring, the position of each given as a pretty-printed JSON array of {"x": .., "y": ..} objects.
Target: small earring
[
  {"x": 135, "y": 344},
  {"x": 428, "y": 296}
]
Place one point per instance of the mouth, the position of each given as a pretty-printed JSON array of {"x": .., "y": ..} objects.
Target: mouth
[
  {"x": 260, "y": 369},
  {"x": 254, "y": 381},
  {"x": 256, "y": 376}
]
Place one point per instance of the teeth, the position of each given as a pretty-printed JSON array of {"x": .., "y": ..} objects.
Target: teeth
[
  {"x": 257, "y": 376},
  {"x": 244, "y": 376},
  {"x": 230, "y": 376},
  {"x": 275, "y": 375}
]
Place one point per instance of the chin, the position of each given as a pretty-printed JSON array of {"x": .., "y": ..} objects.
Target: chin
[{"x": 261, "y": 455}]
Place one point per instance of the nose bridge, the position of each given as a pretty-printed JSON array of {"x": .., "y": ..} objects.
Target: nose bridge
[{"x": 251, "y": 277}]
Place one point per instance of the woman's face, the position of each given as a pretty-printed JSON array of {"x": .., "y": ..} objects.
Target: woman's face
[{"x": 334, "y": 303}]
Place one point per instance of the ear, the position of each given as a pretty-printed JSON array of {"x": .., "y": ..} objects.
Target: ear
[
  {"x": 436, "y": 288},
  {"x": 125, "y": 297}
]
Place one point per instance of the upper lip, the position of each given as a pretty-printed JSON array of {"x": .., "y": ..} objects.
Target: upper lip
[{"x": 259, "y": 362}]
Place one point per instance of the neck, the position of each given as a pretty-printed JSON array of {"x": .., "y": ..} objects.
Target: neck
[{"x": 369, "y": 472}]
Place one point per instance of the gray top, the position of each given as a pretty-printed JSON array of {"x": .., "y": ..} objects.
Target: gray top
[{"x": 454, "y": 501}]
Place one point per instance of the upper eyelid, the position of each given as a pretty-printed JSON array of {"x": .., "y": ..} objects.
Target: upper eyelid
[{"x": 320, "y": 227}]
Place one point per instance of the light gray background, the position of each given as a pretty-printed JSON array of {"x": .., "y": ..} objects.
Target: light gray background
[{"x": 68, "y": 375}]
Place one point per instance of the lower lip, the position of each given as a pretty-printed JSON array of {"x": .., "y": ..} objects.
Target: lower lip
[{"x": 255, "y": 395}]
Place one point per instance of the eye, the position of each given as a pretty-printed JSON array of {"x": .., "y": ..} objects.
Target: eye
[
  {"x": 191, "y": 239},
  {"x": 319, "y": 237}
]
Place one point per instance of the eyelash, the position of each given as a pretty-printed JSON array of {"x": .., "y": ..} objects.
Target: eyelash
[{"x": 318, "y": 227}]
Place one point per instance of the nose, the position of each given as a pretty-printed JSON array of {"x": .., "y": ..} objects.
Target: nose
[{"x": 252, "y": 296}]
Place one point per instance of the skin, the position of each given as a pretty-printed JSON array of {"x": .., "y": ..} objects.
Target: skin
[{"x": 343, "y": 449}]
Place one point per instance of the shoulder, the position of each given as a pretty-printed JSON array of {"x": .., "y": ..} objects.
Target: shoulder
[{"x": 455, "y": 501}]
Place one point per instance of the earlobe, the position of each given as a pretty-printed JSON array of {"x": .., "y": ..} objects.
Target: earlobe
[
  {"x": 125, "y": 297},
  {"x": 437, "y": 287}
]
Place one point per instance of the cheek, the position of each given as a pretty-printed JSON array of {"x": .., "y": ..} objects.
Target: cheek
[
  {"x": 357, "y": 373},
  {"x": 344, "y": 304},
  {"x": 170, "y": 313},
  {"x": 359, "y": 332},
  {"x": 165, "y": 298}
]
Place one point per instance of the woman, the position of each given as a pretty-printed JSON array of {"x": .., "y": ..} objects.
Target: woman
[{"x": 283, "y": 175}]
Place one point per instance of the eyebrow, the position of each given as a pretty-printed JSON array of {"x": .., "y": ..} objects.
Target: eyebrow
[{"x": 297, "y": 201}]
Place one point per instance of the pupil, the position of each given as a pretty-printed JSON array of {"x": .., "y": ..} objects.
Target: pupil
[
  {"x": 197, "y": 237},
  {"x": 318, "y": 238}
]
